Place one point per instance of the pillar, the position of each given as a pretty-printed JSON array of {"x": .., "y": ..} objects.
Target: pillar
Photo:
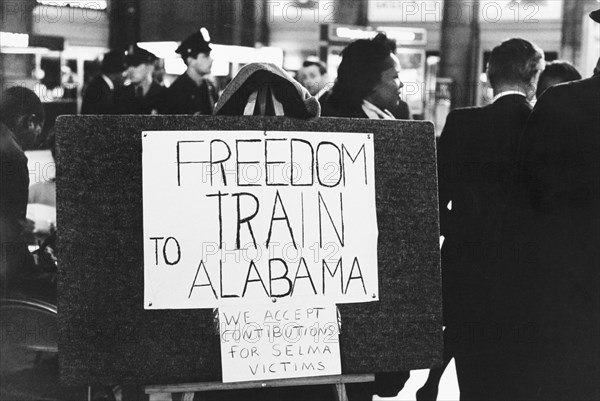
[
  {"x": 574, "y": 13},
  {"x": 351, "y": 12},
  {"x": 124, "y": 23},
  {"x": 460, "y": 50},
  {"x": 16, "y": 16}
]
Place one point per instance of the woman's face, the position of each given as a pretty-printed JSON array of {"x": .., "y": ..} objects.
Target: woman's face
[{"x": 386, "y": 94}]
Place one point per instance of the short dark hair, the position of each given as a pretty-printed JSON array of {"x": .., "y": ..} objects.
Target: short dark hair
[
  {"x": 556, "y": 72},
  {"x": 514, "y": 61},
  {"x": 17, "y": 102},
  {"x": 363, "y": 61},
  {"x": 319, "y": 64}
]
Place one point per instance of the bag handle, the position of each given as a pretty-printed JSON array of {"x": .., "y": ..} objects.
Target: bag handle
[{"x": 260, "y": 96}]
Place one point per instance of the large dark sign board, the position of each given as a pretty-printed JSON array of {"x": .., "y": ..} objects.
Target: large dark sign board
[{"x": 106, "y": 336}]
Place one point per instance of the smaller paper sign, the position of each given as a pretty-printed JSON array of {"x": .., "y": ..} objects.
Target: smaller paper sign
[{"x": 279, "y": 341}]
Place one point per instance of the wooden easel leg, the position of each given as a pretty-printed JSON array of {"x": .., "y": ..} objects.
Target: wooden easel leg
[
  {"x": 341, "y": 392},
  {"x": 160, "y": 397},
  {"x": 187, "y": 397}
]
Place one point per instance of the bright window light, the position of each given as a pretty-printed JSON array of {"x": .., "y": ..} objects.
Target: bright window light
[
  {"x": 94, "y": 4},
  {"x": 9, "y": 39}
]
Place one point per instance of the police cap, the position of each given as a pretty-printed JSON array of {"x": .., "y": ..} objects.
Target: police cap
[
  {"x": 136, "y": 56},
  {"x": 198, "y": 42},
  {"x": 595, "y": 15},
  {"x": 113, "y": 62}
]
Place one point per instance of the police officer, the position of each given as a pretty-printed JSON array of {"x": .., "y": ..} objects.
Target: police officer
[
  {"x": 143, "y": 95},
  {"x": 193, "y": 92}
]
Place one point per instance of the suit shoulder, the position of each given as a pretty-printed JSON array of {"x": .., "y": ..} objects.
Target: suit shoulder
[
  {"x": 575, "y": 99},
  {"x": 466, "y": 112},
  {"x": 97, "y": 83},
  {"x": 464, "y": 115},
  {"x": 179, "y": 83},
  {"x": 97, "y": 80},
  {"x": 575, "y": 89}
]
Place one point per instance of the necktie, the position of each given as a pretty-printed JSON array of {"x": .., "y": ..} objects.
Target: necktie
[{"x": 206, "y": 89}]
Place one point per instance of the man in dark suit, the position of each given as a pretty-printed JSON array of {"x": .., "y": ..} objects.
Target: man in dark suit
[
  {"x": 559, "y": 170},
  {"x": 143, "y": 95},
  {"x": 193, "y": 92},
  {"x": 99, "y": 96},
  {"x": 477, "y": 155}
]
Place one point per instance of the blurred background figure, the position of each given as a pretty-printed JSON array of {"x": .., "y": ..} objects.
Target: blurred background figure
[
  {"x": 142, "y": 95},
  {"x": 21, "y": 122},
  {"x": 556, "y": 72},
  {"x": 193, "y": 92},
  {"x": 313, "y": 76},
  {"x": 368, "y": 85},
  {"x": 99, "y": 96},
  {"x": 41, "y": 208}
]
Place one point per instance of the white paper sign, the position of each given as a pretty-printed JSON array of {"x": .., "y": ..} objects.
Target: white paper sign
[
  {"x": 279, "y": 340},
  {"x": 247, "y": 216}
]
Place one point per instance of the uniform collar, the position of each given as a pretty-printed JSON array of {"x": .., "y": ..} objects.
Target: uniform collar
[{"x": 108, "y": 81}]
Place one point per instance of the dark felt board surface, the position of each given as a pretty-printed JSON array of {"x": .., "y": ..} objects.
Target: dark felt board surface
[{"x": 106, "y": 336}]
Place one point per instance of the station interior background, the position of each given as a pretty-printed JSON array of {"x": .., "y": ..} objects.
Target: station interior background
[{"x": 54, "y": 46}]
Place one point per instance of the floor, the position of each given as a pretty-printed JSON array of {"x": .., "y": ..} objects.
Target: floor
[{"x": 448, "y": 390}]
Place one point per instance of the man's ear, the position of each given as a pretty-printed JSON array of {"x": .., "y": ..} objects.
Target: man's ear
[
  {"x": 35, "y": 125},
  {"x": 31, "y": 122},
  {"x": 28, "y": 128}
]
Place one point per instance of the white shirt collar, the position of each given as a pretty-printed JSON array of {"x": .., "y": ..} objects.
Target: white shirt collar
[
  {"x": 506, "y": 93},
  {"x": 109, "y": 82},
  {"x": 375, "y": 113}
]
